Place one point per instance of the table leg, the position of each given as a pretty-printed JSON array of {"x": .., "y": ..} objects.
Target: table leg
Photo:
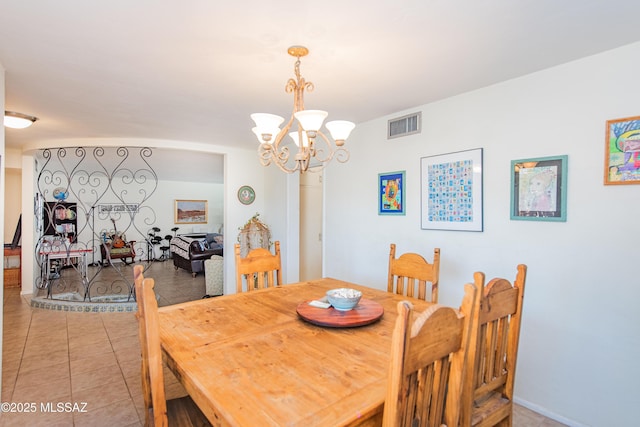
[
  {"x": 83, "y": 277},
  {"x": 48, "y": 275}
]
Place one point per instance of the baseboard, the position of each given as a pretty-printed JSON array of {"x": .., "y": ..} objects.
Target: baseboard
[{"x": 543, "y": 411}]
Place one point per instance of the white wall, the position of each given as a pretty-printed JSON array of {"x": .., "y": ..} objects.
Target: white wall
[
  {"x": 163, "y": 204},
  {"x": 282, "y": 212},
  {"x": 241, "y": 168},
  {"x": 12, "y": 201},
  {"x": 581, "y": 327},
  {"x": 12, "y": 192},
  {"x": 2, "y": 232}
]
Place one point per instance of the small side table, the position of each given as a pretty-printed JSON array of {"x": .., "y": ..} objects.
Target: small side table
[
  {"x": 12, "y": 266},
  {"x": 62, "y": 252}
]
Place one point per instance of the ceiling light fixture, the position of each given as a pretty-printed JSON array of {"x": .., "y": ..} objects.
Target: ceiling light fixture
[
  {"x": 18, "y": 120},
  {"x": 312, "y": 144}
]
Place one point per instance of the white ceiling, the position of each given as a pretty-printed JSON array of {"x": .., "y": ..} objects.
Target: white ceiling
[{"x": 194, "y": 70}]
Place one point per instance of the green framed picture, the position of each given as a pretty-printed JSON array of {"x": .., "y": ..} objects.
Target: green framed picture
[{"x": 539, "y": 189}]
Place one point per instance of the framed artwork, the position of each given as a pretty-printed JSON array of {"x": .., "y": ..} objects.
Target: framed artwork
[
  {"x": 391, "y": 189},
  {"x": 246, "y": 195},
  {"x": 451, "y": 191},
  {"x": 539, "y": 189},
  {"x": 622, "y": 152},
  {"x": 191, "y": 212}
]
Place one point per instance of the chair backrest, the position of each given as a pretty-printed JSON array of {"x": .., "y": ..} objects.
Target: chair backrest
[
  {"x": 138, "y": 277},
  {"x": 411, "y": 271},
  {"x": 427, "y": 364},
  {"x": 493, "y": 349},
  {"x": 259, "y": 269},
  {"x": 151, "y": 370}
]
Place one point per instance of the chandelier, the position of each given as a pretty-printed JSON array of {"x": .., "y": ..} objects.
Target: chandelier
[{"x": 312, "y": 144}]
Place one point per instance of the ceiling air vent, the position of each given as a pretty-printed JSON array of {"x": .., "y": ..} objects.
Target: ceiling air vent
[{"x": 405, "y": 125}]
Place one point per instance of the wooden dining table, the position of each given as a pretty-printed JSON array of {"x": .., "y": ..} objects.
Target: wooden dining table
[{"x": 249, "y": 359}]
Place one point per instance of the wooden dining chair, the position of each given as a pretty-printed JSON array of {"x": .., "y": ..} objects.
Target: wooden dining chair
[
  {"x": 487, "y": 398},
  {"x": 138, "y": 278},
  {"x": 427, "y": 364},
  {"x": 410, "y": 273},
  {"x": 158, "y": 411},
  {"x": 259, "y": 269}
]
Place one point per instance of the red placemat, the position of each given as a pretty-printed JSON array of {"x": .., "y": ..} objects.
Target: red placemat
[{"x": 366, "y": 312}]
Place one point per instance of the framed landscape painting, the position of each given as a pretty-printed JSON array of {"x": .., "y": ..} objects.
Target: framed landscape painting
[
  {"x": 451, "y": 191},
  {"x": 622, "y": 151},
  {"x": 191, "y": 212},
  {"x": 539, "y": 189}
]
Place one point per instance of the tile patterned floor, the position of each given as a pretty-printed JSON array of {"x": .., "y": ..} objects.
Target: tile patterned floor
[{"x": 51, "y": 358}]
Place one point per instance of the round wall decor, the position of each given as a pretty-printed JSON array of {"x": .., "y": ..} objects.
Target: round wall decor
[{"x": 246, "y": 195}]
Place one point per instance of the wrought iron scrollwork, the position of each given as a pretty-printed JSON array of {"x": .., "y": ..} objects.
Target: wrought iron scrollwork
[{"x": 87, "y": 198}]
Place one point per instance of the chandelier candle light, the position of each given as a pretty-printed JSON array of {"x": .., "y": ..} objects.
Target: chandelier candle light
[{"x": 312, "y": 144}]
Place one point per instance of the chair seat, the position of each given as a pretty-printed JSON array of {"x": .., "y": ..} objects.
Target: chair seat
[
  {"x": 109, "y": 253},
  {"x": 490, "y": 410},
  {"x": 184, "y": 412}
]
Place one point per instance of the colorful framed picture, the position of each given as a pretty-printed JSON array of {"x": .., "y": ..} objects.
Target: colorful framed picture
[
  {"x": 539, "y": 189},
  {"x": 622, "y": 152},
  {"x": 190, "y": 212},
  {"x": 391, "y": 189},
  {"x": 451, "y": 191}
]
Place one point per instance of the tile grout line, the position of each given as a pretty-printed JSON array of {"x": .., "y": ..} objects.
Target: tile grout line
[
  {"x": 73, "y": 415},
  {"x": 24, "y": 346},
  {"x": 120, "y": 367}
]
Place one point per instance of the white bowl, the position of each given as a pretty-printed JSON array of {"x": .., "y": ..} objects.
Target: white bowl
[{"x": 344, "y": 299}]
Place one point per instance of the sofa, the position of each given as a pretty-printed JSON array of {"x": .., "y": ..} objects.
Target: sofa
[{"x": 190, "y": 251}]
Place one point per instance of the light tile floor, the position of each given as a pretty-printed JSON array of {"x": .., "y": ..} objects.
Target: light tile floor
[{"x": 51, "y": 357}]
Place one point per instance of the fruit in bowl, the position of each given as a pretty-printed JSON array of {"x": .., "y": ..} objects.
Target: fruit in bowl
[{"x": 344, "y": 299}]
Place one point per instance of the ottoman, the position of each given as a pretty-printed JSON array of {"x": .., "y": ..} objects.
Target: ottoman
[{"x": 213, "y": 276}]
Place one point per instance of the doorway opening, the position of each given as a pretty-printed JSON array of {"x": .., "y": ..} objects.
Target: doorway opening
[{"x": 311, "y": 218}]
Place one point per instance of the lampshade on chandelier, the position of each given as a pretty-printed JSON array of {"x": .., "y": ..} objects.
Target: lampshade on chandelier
[
  {"x": 18, "y": 120},
  {"x": 312, "y": 144}
]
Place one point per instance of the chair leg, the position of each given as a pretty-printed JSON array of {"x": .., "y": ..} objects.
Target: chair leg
[{"x": 506, "y": 422}]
